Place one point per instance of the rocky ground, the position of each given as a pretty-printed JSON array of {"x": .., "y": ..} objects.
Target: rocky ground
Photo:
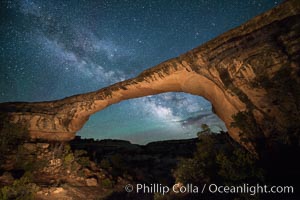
[
  {"x": 94, "y": 170},
  {"x": 88, "y": 169}
]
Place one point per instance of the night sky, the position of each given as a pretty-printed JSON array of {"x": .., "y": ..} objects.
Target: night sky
[{"x": 53, "y": 49}]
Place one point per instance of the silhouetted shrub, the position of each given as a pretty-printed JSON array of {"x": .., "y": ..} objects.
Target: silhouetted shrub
[
  {"x": 68, "y": 159},
  {"x": 21, "y": 189},
  {"x": 107, "y": 183},
  {"x": 239, "y": 167},
  {"x": 247, "y": 124},
  {"x": 105, "y": 164},
  {"x": 219, "y": 160},
  {"x": 202, "y": 167},
  {"x": 82, "y": 158}
]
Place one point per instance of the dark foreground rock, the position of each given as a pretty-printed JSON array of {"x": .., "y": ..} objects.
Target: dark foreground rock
[
  {"x": 91, "y": 169},
  {"x": 87, "y": 169}
]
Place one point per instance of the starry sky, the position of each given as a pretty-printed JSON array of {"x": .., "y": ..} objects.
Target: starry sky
[{"x": 50, "y": 49}]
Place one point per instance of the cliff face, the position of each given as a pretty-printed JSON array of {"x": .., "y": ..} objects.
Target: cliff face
[{"x": 250, "y": 74}]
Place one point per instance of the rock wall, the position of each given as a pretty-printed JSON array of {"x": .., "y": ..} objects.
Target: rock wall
[{"x": 250, "y": 74}]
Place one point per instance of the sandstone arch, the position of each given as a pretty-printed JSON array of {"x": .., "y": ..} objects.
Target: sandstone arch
[{"x": 252, "y": 69}]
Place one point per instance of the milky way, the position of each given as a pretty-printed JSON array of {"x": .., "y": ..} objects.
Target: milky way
[{"x": 53, "y": 49}]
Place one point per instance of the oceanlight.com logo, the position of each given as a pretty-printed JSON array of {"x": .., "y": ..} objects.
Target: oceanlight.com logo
[
  {"x": 250, "y": 189},
  {"x": 210, "y": 188}
]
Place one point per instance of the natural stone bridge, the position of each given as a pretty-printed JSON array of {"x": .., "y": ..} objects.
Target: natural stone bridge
[{"x": 251, "y": 72}]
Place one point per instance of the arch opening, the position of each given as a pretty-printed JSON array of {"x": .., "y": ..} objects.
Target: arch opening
[{"x": 166, "y": 116}]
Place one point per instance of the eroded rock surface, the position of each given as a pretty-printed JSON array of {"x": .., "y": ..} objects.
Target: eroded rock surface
[{"x": 251, "y": 72}]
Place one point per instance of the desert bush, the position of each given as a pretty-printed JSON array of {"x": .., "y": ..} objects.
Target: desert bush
[
  {"x": 201, "y": 167},
  {"x": 82, "y": 158},
  {"x": 68, "y": 159},
  {"x": 105, "y": 164},
  {"x": 239, "y": 167},
  {"x": 107, "y": 183},
  {"x": 219, "y": 160},
  {"x": 21, "y": 189},
  {"x": 246, "y": 122}
]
